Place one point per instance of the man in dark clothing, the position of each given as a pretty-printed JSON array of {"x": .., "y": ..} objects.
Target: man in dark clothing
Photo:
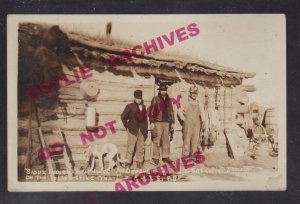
[
  {"x": 162, "y": 120},
  {"x": 134, "y": 118}
]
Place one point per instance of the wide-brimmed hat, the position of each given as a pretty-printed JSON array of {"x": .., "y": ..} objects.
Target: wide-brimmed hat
[
  {"x": 193, "y": 89},
  {"x": 138, "y": 94},
  {"x": 163, "y": 87}
]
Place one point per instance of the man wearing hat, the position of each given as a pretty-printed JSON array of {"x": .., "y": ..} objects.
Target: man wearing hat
[
  {"x": 191, "y": 113},
  {"x": 161, "y": 115},
  {"x": 259, "y": 136},
  {"x": 137, "y": 129}
]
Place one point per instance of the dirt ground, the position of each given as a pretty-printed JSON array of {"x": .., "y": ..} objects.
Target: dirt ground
[{"x": 217, "y": 166}]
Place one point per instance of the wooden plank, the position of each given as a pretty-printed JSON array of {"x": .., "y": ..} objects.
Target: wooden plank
[
  {"x": 83, "y": 101},
  {"x": 109, "y": 78},
  {"x": 78, "y": 123},
  {"x": 66, "y": 159},
  {"x": 102, "y": 107},
  {"x": 115, "y": 85},
  {"x": 48, "y": 161},
  {"x": 105, "y": 95}
]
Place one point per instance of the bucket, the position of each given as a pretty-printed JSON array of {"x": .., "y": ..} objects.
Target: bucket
[
  {"x": 89, "y": 90},
  {"x": 90, "y": 118}
]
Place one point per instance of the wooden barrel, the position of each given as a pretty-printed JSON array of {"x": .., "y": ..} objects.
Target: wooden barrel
[{"x": 270, "y": 121}]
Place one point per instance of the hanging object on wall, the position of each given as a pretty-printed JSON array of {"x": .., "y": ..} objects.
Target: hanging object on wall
[
  {"x": 243, "y": 100},
  {"x": 217, "y": 99},
  {"x": 89, "y": 90},
  {"x": 90, "y": 118}
]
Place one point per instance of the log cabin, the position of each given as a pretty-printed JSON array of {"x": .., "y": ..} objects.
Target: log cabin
[{"x": 46, "y": 51}]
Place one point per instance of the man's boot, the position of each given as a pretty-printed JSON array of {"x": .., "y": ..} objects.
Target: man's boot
[{"x": 167, "y": 160}]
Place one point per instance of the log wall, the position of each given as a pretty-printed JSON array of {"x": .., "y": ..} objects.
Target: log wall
[{"x": 115, "y": 93}]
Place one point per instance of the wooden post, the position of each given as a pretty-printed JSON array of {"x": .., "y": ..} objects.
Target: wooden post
[{"x": 108, "y": 29}]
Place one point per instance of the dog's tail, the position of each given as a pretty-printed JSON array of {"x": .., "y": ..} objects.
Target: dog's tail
[{"x": 121, "y": 160}]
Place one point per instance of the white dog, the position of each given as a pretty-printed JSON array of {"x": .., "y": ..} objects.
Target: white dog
[{"x": 101, "y": 150}]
